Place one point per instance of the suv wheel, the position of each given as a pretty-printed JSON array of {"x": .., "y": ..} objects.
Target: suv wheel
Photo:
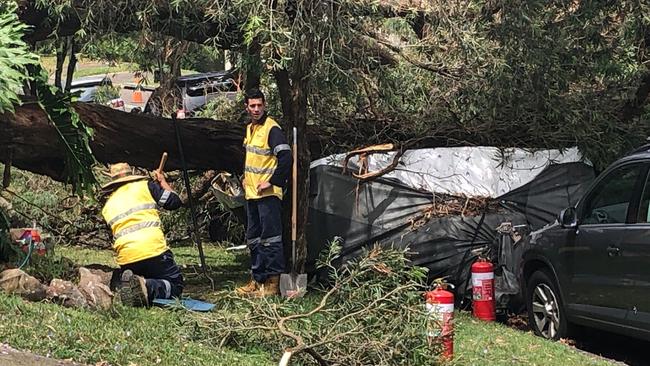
[{"x": 545, "y": 310}]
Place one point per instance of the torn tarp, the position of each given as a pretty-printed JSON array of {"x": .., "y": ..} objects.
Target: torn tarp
[
  {"x": 384, "y": 211},
  {"x": 392, "y": 209}
]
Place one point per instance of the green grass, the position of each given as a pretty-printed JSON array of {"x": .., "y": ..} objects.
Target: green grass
[
  {"x": 483, "y": 343},
  {"x": 102, "y": 70},
  {"x": 123, "y": 337},
  {"x": 86, "y": 67},
  {"x": 126, "y": 336},
  {"x": 226, "y": 269}
]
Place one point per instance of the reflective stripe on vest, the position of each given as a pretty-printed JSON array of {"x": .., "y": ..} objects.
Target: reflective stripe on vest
[
  {"x": 259, "y": 170},
  {"x": 146, "y": 206},
  {"x": 258, "y": 151},
  {"x": 281, "y": 147},
  {"x": 131, "y": 213},
  {"x": 261, "y": 161},
  {"x": 136, "y": 227}
]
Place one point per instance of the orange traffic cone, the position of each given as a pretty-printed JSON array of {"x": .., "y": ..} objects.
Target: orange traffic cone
[{"x": 137, "y": 96}]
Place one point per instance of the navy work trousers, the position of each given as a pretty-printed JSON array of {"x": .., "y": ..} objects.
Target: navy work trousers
[
  {"x": 264, "y": 237},
  {"x": 163, "y": 277}
]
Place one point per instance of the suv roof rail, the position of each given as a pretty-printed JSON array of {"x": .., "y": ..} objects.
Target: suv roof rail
[{"x": 640, "y": 149}]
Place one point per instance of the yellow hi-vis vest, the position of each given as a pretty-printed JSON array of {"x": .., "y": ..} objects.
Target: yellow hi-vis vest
[
  {"x": 133, "y": 217},
  {"x": 260, "y": 160}
]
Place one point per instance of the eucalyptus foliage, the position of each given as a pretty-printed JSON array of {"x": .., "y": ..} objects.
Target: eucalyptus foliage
[
  {"x": 536, "y": 74},
  {"x": 14, "y": 57},
  {"x": 373, "y": 314},
  {"x": 74, "y": 134}
]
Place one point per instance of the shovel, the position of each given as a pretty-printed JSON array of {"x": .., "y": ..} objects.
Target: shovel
[{"x": 293, "y": 284}]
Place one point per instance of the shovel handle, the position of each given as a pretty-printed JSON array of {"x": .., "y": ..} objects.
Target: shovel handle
[
  {"x": 294, "y": 188},
  {"x": 163, "y": 161}
]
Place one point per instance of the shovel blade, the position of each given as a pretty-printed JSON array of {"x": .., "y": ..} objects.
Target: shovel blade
[{"x": 293, "y": 285}]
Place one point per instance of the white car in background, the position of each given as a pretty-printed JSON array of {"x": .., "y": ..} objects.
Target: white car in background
[
  {"x": 88, "y": 86},
  {"x": 195, "y": 91}
]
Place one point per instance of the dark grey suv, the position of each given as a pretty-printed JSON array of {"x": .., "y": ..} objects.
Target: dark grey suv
[{"x": 592, "y": 267}]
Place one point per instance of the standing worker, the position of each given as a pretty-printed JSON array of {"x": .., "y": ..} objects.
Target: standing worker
[
  {"x": 267, "y": 167},
  {"x": 147, "y": 267}
]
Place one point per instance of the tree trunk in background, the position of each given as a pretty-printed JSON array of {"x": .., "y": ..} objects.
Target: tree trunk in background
[
  {"x": 253, "y": 66},
  {"x": 6, "y": 174},
  {"x": 294, "y": 90},
  {"x": 137, "y": 139},
  {"x": 61, "y": 51},
  {"x": 72, "y": 63},
  {"x": 175, "y": 57}
]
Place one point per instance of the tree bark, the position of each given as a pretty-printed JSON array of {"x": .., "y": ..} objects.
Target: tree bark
[
  {"x": 119, "y": 136},
  {"x": 6, "y": 174},
  {"x": 293, "y": 88},
  {"x": 61, "y": 52},
  {"x": 253, "y": 66},
  {"x": 72, "y": 63}
]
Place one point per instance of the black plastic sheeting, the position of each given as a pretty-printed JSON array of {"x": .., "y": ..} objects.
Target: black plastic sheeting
[
  {"x": 555, "y": 188},
  {"x": 383, "y": 211}
]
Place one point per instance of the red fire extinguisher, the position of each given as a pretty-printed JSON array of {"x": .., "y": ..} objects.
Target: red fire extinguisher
[
  {"x": 483, "y": 302},
  {"x": 440, "y": 306}
]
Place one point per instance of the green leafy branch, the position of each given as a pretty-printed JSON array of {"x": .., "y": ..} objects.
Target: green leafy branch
[
  {"x": 14, "y": 57},
  {"x": 74, "y": 134}
]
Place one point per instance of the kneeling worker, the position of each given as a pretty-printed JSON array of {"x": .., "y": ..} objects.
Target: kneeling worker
[{"x": 147, "y": 267}]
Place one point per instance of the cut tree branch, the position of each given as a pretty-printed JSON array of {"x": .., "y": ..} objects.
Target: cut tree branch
[{"x": 119, "y": 136}]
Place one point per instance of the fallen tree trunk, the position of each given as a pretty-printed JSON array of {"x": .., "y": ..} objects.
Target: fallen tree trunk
[{"x": 29, "y": 141}]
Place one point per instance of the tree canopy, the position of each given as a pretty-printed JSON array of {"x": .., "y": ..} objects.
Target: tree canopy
[
  {"x": 515, "y": 73},
  {"x": 531, "y": 74}
]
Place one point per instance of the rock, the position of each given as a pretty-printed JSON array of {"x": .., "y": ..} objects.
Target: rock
[
  {"x": 66, "y": 293},
  {"x": 104, "y": 272},
  {"x": 15, "y": 281},
  {"x": 95, "y": 289},
  {"x": 12, "y": 357}
]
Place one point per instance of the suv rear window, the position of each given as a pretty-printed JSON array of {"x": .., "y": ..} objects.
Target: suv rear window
[{"x": 609, "y": 201}]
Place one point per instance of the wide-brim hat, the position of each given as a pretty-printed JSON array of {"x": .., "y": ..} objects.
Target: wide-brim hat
[{"x": 121, "y": 173}]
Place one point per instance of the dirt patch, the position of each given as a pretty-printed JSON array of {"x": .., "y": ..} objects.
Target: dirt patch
[{"x": 518, "y": 321}]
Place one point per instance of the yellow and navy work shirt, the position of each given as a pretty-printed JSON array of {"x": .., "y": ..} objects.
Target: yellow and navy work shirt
[
  {"x": 131, "y": 212},
  {"x": 268, "y": 158}
]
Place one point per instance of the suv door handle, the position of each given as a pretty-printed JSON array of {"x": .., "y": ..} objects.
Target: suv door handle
[{"x": 613, "y": 251}]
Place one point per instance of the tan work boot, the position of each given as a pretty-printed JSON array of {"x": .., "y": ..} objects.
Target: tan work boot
[
  {"x": 133, "y": 290},
  {"x": 247, "y": 289},
  {"x": 271, "y": 287}
]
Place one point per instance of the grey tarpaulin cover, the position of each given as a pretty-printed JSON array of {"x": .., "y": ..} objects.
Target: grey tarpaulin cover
[{"x": 383, "y": 211}]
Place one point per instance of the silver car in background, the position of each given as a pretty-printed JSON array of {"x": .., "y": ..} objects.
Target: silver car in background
[
  {"x": 192, "y": 92},
  {"x": 88, "y": 86}
]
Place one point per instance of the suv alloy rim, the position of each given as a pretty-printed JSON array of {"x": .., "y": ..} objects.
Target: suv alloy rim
[{"x": 545, "y": 311}]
